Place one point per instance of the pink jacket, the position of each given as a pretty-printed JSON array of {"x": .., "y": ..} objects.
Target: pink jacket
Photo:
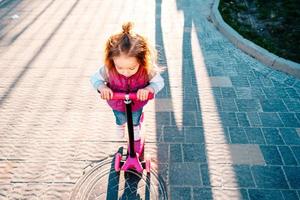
[{"x": 120, "y": 83}]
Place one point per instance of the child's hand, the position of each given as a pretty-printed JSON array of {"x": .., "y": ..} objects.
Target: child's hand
[
  {"x": 106, "y": 93},
  {"x": 142, "y": 94}
]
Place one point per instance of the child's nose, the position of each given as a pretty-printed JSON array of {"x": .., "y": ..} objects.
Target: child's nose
[{"x": 126, "y": 73}]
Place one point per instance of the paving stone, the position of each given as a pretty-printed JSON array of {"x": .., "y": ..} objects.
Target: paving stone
[
  {"x": 278, "y": 76},
  {"x": 230, "y": 72},
  {"x": 227, "y": 135},
  {"x": 228, "y": 105},
  {"x": 271, "y": 155},
  {"x": 290, "y": 194},
  {"x": 267, "y": 177},
  {"x": 243, "y": 93},
  {"x": 161, "y": 150},
  {"x": 296, "y": 151},
  {"x": 244, "y": 194},
  {"x": 293, "y": 105},
  {"x": 278, "y": 84},
  {"x": 243, "y": 71},
  {"x": 202, "y": 193},
  {"x": 255, "y": 194},
  {"x": 263, "y": 71},
  {"x": 287, "y": 155},
  {"x": 205, "y": 174},
  {"x": 194, "y": 153},
  {"x": 217, "y": 71},
  {"x": 289, "y": 119},
  {"x": 255, "y": 82},
  {"x": 297, "y": 84},
  {"x": 228, "y": 92},
  {"x": 163, "y": 105},
  {"x": 228, "y": 194},
  {"x": 194, "y": 134},
  {"x": 257, "y": 92},
  {"x": 254, "y": 135},
  {"x": 266, "y": 82},
  {"x": 163, "y": 171},
  {"x": 298, "y": 90},
  {"x": 220, "y": 81},
  {"x": 189, "y": 91},
  {"x": 176, "y": 153},
  {"x": 240, "y": 81},
  {"x": 218, "y": 104},
  {"x": 245, "y": 105},
  {"x": 180, "y": 174},
  {"x": 275, "y": 92},
  {"x": 217, "y": 92},
  {"x": 246, "y": 154},
  {"x": 237, "y": 175},
  {"x": 190, "y": 105},
  {"x": 173, "y": 134},
  {"x": 273, "y": 105},
  {"x": 290, "y": 81},
  {"x": 188, "y": 119},
  {"x": 163, "y": 118},
  {"x": 293, "y": 176},
  {"x": 290, "y": 136},
  {"x": 164, "y": 93},
  {"x": 254, "y": 119},
  {"x": 242, "y": 119},
  {"x": 298, "y": 116},
  {"x": 181, "y": 193},
  {"x": 237, "y": 135},
  {"x": 199, "y": 121},
  {"x": 228, "y": 119},
  {"x": 273, "y": 136},
  {"x": 270, "y": 120},
  {"x": 292, "y": 93}
]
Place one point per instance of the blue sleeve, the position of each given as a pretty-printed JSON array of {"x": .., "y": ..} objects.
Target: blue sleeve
[
  {"x": 97, "y": 80},
  {"x": 157, "y": 83}
]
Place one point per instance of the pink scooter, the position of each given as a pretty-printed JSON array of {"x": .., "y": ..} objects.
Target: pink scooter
[{"x": 135, "y": 158}]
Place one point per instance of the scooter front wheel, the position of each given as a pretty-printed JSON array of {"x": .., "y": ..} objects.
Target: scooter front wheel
[{"x": 118, "y": 158}]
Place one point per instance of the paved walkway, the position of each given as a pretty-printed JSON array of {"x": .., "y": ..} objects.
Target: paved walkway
[{"x": 224, "y": 127}]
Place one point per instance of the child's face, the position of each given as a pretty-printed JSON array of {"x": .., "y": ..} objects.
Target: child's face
[{"x": 127, "y": 66}]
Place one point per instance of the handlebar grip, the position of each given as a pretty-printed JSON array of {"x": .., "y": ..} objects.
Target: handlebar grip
[{"x": 132, "y": 96}]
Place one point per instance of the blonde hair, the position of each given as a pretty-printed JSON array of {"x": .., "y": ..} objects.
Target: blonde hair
[{"x": 132, "y": 45}]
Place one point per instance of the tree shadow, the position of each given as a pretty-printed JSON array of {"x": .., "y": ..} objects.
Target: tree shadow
[
  {"x": 27, "y": 66},
  {"x": 188, "y": 171},
  {"x": 15, "y": 37}
]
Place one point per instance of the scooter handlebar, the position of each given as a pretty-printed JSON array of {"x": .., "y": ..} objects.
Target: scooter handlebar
[{"x": 132, "y": 96}]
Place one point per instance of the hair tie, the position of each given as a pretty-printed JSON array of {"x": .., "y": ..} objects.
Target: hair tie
[{"x": 127, "y": 27}]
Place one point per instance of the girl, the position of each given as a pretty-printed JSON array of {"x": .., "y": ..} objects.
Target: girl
[{"x": 130, "y": 66}]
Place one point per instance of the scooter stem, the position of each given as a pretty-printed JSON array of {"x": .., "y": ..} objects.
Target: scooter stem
[{"x": 128, "y": 102}]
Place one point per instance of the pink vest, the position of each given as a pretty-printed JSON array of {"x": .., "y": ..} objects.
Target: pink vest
[{"x": 120, "y": 83}]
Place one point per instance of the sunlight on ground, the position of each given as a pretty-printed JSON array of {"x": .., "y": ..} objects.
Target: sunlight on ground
[
  {"x": 173, "y": 48},
  {"x": 212, "y": 125}
]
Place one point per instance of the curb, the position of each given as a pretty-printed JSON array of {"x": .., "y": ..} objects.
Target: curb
[{"x": 261, "y": 54}]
